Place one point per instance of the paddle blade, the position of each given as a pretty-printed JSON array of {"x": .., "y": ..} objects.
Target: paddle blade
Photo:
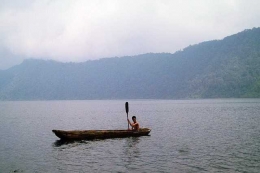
[{"x": 126, "y": 107}]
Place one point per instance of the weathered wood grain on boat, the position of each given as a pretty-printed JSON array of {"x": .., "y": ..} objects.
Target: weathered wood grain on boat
[{"x": 99, "y": 134}]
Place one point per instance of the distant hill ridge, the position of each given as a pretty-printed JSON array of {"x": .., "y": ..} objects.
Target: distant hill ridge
[{"x": 228, "y": 68}]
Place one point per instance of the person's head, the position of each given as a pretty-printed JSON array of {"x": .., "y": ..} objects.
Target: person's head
[{"x": 134, "y": 118}]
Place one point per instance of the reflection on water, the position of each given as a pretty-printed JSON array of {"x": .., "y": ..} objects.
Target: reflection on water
[
  {"x": 120, "y": 154},
  {"x": 131, "y": 149},
  {"x": 60, "y": 143},
  {"x": 131, "y": 141}
]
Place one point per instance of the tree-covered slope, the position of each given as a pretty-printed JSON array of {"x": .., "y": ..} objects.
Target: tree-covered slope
[
  {"x": 233, "y": 69},
  {"x": 215, "y": 69}
]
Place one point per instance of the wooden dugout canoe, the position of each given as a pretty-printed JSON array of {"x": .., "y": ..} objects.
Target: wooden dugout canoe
[{"x": 99, "y": 134}]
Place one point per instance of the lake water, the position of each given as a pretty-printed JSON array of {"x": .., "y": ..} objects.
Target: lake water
[{"x": 221, "y": 135}]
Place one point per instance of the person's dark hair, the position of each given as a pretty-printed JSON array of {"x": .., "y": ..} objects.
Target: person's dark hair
[{"x": 133, "y": 117}]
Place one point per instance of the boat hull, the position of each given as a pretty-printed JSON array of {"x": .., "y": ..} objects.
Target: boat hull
[{"x": 99, "y": 134}]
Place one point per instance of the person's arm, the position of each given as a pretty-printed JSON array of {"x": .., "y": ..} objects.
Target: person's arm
[
  {"x": 133, "y": 124},
  {"x": 136, "y": 126},
  {"x": 130, "y": 123}
]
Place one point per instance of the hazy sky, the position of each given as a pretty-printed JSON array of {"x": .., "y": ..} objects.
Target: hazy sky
[{"x": 79, "y": 30}]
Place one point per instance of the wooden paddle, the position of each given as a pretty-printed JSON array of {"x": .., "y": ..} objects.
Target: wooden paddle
[{"x": 127, "y": 110}]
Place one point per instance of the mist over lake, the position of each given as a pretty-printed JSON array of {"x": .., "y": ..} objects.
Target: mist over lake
[{"x": 220, "y": 135}]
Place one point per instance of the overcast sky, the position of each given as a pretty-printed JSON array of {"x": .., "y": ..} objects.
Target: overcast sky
[{"x": 79, "y": 30}]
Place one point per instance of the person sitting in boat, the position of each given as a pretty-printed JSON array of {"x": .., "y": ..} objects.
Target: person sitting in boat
[{"x": 135, "y": 124}]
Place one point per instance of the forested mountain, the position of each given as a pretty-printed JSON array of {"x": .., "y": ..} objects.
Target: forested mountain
[{"x": 225, "y": 68}]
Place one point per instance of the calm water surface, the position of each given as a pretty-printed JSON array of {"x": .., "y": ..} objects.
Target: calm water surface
[{"x": 187, "y": 136}]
